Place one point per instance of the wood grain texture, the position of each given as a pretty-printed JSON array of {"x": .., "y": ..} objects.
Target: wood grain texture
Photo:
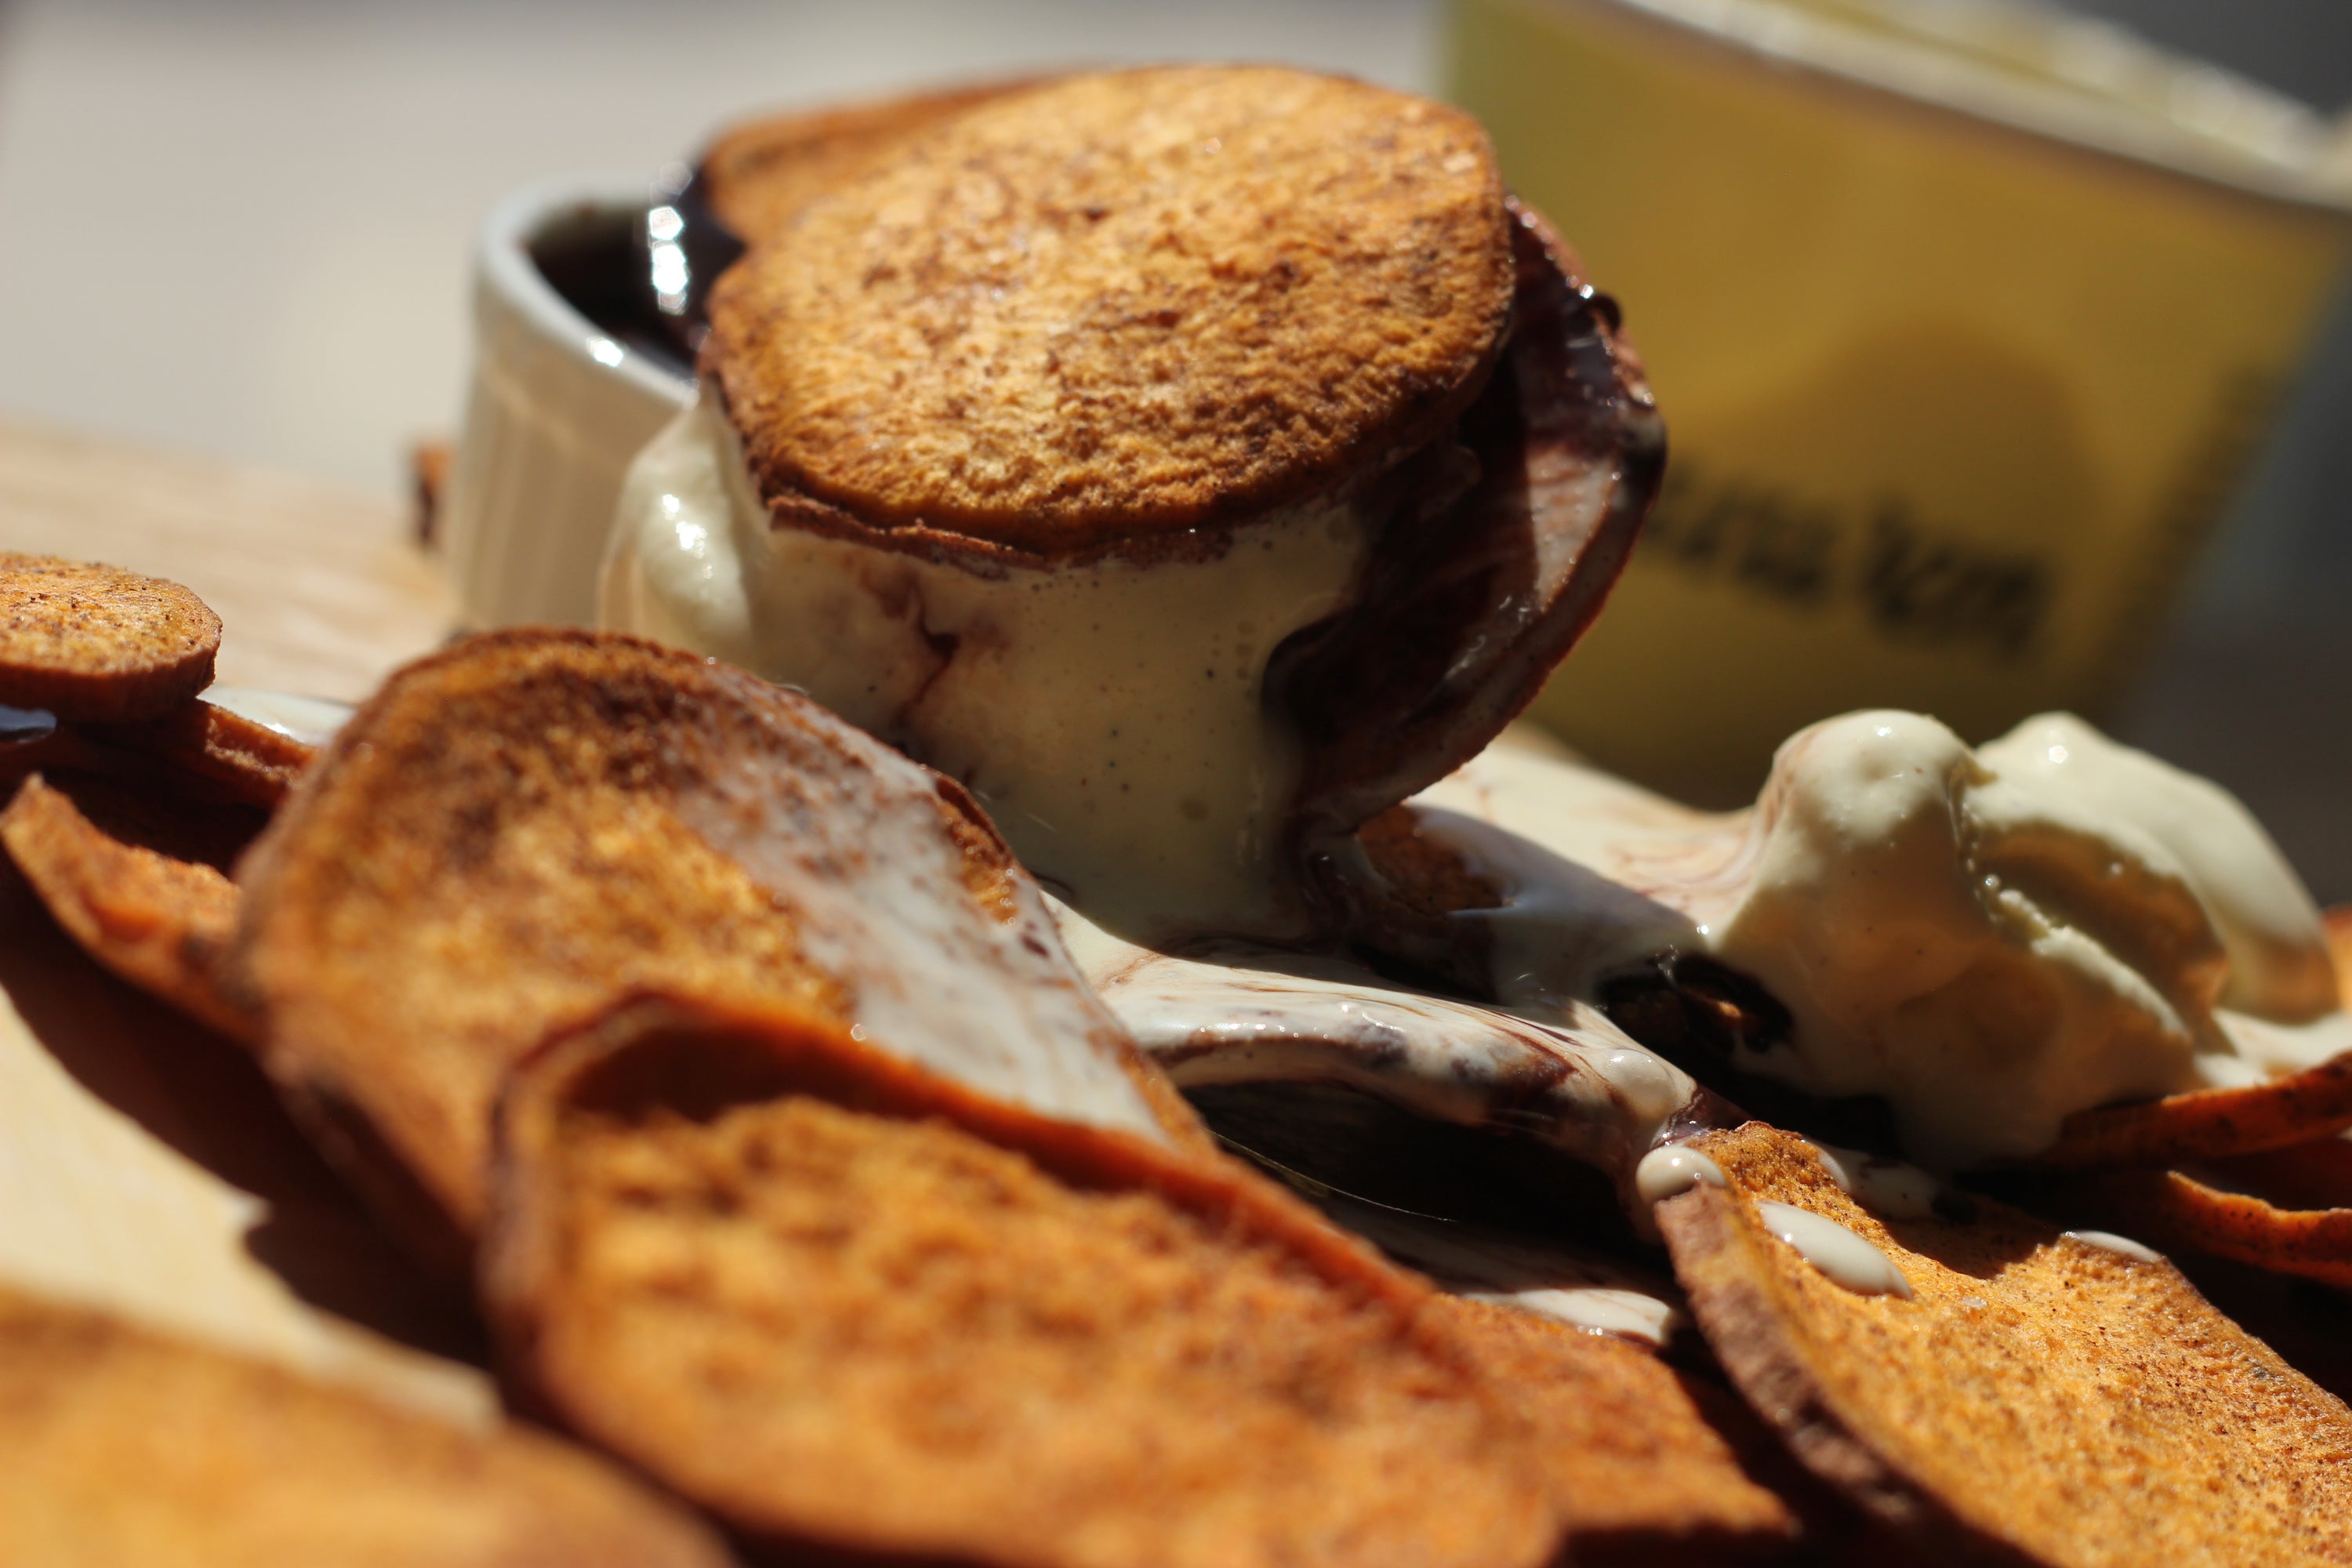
[
  {"x": 317, "y": 586},
  {"x": 146, "y": 1166}
]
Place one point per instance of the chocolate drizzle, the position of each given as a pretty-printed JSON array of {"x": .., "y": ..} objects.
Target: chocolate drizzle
[
  {"x": 644, "y": 277},
  {"x": 1467, "y": 604}
]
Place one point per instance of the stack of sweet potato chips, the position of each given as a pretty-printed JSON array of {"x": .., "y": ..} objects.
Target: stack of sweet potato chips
[{"x": 727, "y": 1065}]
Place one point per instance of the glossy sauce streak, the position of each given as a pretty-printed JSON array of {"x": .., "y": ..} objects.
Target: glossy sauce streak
[
  {"x": 1238, "y": 1015},
  {"x": 1887, "y": 1188},
  {"x": 1842, "y": 1256},
  {"x": 2122, "y": 1246},
  {"x": 1551, "y": 1279},
  {"x": 1671, "y": 1170}
]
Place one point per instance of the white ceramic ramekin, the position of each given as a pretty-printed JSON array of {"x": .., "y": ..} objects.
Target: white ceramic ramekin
[{"x": 557, "y": 409}]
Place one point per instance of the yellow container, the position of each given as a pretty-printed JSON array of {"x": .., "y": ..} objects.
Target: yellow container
[{"x": 1962, "y": 341}]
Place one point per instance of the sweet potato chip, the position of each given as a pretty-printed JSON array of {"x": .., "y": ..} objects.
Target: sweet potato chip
[
  {"x": 846, "y": 1302},
  {"x": 248, "y": 762},
  {"x": 2314, "y": 1175},
  {"x": 162, "y": 924},
  {"x": 2033, "y": 1399},
  {"x": 2209, "y": 1123},
  {"x": 1639, "y": 1473},
  {"x": 2178, "y": 1212},
  {"x": 123, "y": 1449},
  {"x": 97, "y": 643},
  {"x": 526, "y": 826}
]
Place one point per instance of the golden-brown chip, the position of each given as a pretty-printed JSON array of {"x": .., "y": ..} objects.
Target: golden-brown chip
[
  {"x": 757, "y": 174},
  {"x": 165, "y": 925},
  {"x": 246, "y": 761},
  {"x": 1638, "y": 1472},
  {"x": 2035, "y": 1399},
  {"x": 1122, "y": 305},
  {"x": 2209, "y": 1123},
  {"x": 2178, "y": 1212},
  {"x": 123, "y": 1449},
  {"x": 2314, "y": 1175},
  {"x": 845, "y": 1303},
  {"x": 97, "y": 643},
  {"x": 525, "y": 825}
]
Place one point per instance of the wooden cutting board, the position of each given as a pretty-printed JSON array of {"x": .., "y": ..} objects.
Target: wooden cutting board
[{"x": 144, "y": 1163}]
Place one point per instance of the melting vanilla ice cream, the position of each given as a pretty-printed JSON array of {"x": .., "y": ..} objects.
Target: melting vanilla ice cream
[
  {"x": 1991, "y": 939},
  {"x": 1109, "y": 711}
]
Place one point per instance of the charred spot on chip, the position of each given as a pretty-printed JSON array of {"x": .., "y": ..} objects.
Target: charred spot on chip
[{"x": 99, "y": 644}]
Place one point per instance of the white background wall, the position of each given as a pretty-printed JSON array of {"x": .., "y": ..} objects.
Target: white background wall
[{"x": 241, "y": 227}]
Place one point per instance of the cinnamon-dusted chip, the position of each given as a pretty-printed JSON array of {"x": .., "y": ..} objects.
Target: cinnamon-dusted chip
[
  {"x": 846, "y": 1302},
  {"x": 1639, "y": 1473},
  {"x": 2209, "y": 1123},
  {"x": 2181, "y": 1213},
  {"x": 1055, "y": 324},
  {"x": 162, "y": 924},
  {"x": 2033, "y": 1398},
  {"x": 520, "y": 828},
  {"x": 2314, "y": 1175},
  {"x": 757, "y": 174},
  {"x": 248, "y": 761},
  {"x": 98, "y": 643},
  {"x": 125, "y": 1448}
]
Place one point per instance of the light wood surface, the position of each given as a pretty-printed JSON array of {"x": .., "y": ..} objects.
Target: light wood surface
[
  {"x": 318, "y": 587},
  {"x": 146, "y": 1164}
]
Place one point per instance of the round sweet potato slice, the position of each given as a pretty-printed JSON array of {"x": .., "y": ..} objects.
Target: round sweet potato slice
[
  {"x": 2027, "y": 1397},
  {"x": 846, "y": 1303},
  {"x": 522, "y": 829},
  {"x": 99, "y": 644}
]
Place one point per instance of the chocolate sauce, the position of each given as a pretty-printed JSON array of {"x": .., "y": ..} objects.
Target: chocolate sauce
[{"x": 642, "y": 276}]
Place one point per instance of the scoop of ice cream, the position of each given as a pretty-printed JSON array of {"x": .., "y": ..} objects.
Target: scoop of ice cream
[
  {"x": 1994, "y": 939},
  {"x": 2269, "y": 928}
]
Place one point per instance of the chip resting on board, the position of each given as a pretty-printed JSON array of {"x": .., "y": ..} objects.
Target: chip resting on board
[{"x": 95, "y": 643}]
